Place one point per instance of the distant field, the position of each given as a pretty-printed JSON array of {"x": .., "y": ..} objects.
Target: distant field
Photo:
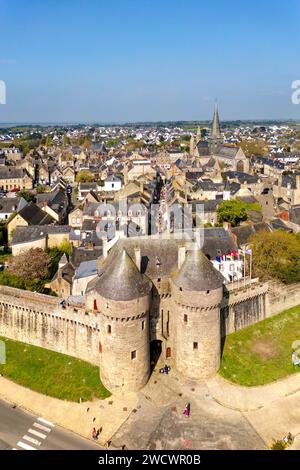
[
  {"x": 262, "y": 353},
  {"x": 51, "y": 373}
]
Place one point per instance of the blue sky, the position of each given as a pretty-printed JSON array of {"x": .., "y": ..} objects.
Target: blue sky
[{"x": 138, "y": 60}]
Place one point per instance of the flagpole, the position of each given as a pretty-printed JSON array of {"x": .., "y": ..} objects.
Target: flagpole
[
  {"x": 250, "y": 266},
  {"x": 238, "y": 263},
  {"x": 244, "y": 251}
]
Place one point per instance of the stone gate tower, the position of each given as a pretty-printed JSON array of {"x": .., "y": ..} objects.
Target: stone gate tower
[
  {"x": 197, "y": 291},
  {"x": 122, "y": 296}
]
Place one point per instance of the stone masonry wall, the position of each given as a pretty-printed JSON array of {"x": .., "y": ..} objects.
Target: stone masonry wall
[
  {"x": 281, "y": 297},
  {"x": 243, "y": 307},
  {"x": 40, "y": 320}
]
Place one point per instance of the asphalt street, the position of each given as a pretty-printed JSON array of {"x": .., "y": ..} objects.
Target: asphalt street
[{"x": 20, "y": 430}]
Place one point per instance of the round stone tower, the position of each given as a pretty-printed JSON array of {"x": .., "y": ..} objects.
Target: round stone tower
[
  {"x": 197, "y": 290},
  {"x": 122, "y": 296}
]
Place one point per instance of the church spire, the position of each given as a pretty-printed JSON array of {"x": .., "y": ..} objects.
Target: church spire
[{"x": 216, "y": 133}]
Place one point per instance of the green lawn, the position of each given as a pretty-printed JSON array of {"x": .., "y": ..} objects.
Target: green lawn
[
  {"x": 51, "y": 373},
  {"x": 262, "y": 353}
]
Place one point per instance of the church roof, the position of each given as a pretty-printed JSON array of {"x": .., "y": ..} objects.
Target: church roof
[
  {"x": 197, "y": 273},
  {"x": 121, "y": 279},
  {"x": 216, "y": 133}
]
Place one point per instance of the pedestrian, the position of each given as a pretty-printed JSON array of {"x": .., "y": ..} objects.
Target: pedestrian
[{"x": 187, "y": 410}]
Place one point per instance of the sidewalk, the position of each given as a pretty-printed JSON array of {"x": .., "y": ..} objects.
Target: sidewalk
[
  {"x": 243, "y": 398},
  {"x": 273, "y": 410},
  {"x": 109, "y": 414}
]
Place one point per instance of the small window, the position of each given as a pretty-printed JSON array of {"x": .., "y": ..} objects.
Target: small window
[
  {"x": 207, "y": 291},
  {"x": 95, "y": 304},
  {"x": 100, "y": 348},
  {"x": 195, "y": 346},
  {"x": 109, "y": 329},
  {"x": 143, "y": 324},
  {"x": 133, "y": 355},
  {"x": 185, "y": 318},
  {"x": 180, "y": 288},
  {"x": 158, "y": 280}
]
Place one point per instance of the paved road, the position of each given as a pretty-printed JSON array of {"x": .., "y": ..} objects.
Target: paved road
[{"x": 22, "y": 431}]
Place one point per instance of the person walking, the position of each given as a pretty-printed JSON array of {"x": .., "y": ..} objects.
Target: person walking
[
  {"x": 187, "y": 410},
  {"x": 94, "y": 434}
]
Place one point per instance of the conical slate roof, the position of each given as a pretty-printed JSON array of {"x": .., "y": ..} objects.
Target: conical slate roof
[
  {"x": 197, "y": 273},
  {"x": 122, "y": 280}
]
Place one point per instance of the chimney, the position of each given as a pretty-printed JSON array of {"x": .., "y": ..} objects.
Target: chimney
[
  {"x": 138, "y": 258},
  {"x": 181, "y": 256}
]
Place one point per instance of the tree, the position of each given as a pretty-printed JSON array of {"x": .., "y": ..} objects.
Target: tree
[
  {"x": 84, "y": 177},
  {"x": 41, "y": 188},
  {"x": 87, "y": 143},
  {"x": 67, "y": 140},
  {"x": 254, "y": 147},
  {"x": 27, "y": 195},
  {"x": 276, "y": 255},
  {"x": 33, "y": 264},
  {"x": 233, "y": 211}
]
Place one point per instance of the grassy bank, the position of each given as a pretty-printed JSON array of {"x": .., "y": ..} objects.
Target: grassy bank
[
  {"x": 261, "y": 353},
  {"x": 51, "y": 373}
]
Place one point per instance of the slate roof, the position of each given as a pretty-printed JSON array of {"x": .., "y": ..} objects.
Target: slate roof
[
  {"x": 244, "y": 232},
  {"x": 160, "y": 257},
  {"x": 33, "y": 215},
  {"x": 121, "y": 279},
  {"x": 289, "y": 179},
  {"x": 242, "y": 177},
  {"x": 67, "y": 273},
  {"x": 277, "y": 224},
  {"x": 81, "y": 254},
  {"x": 86, "y": 268},
  {"x": 295, "y": 214},
  {"x": 9, "y": 204},
  {"x": 205, "y": 185},
  {"x": 198, "y": 273},
  {"x": 37, "y": 232},
  {"x": 7, "y": 172},
  {"x": 88, "y": 186}
]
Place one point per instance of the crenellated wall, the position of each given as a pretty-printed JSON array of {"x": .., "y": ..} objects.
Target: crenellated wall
[
  {"x": 189, "y": 325},
  {"x": 40, "y": 320},
  {"x": 244, "y": 306}
]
